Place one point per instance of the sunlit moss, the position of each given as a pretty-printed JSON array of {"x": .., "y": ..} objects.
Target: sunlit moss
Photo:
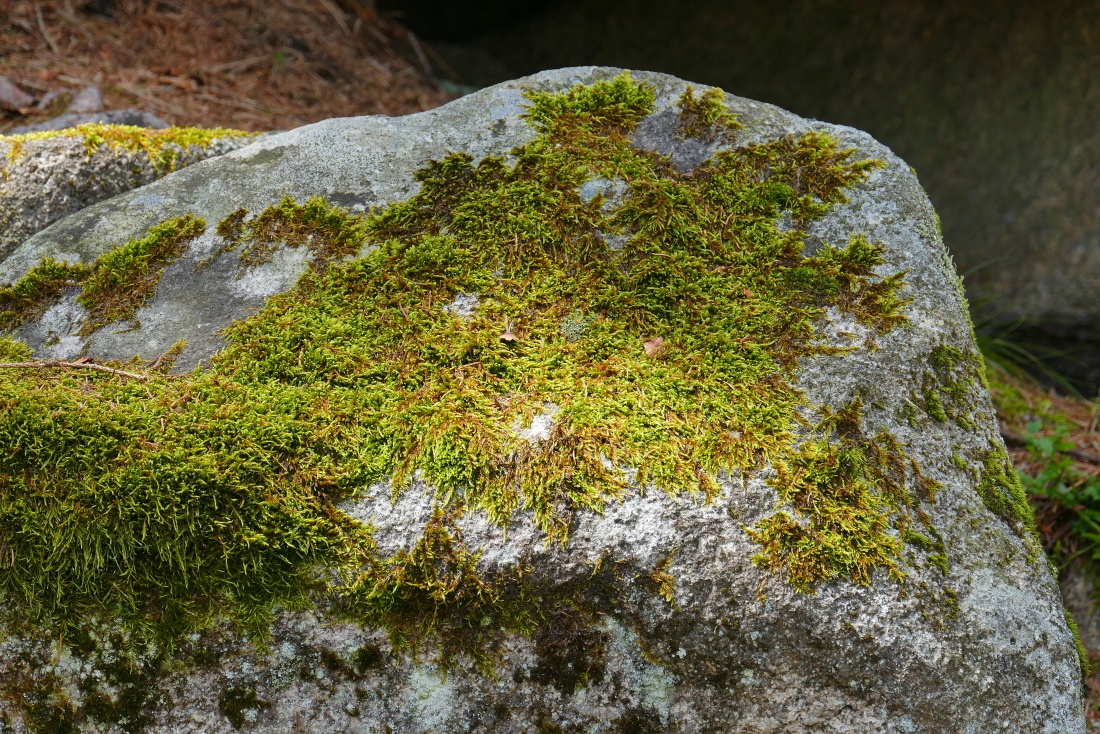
[{"x": 162, "y": 147}]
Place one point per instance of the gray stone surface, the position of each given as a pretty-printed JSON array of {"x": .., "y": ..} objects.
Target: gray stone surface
[
  {"x": 48, "y": 179},
  {"x": 984, "y": 649}
]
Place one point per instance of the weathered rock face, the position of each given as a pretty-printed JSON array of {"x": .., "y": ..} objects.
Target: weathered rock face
[
  {"x": 45, "y": 177},
  {"x": 630, "y": 416}
]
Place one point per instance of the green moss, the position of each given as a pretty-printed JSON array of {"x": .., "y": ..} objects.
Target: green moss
[
  {"x": 112, "y": 289},
  {"x": 1003, "y": 494},
  {"x": 14, "y": 351},
  {"x": 949, "y": 388},
  {"x": 125, "y": 278},
  {"x": 326, "y": 232},
  {"x": 706, "y": 117},
  {"x": 161, "y": 146},
  {"x": 933, "y": 407},
  {"x": 29, "y": 297},
  {"x": 182, "y": 501},
  {"x": 571, "y": 651},
  {"x": 436, "y": 587},
  {"x": 854, "y": 508},
  {"x": 1082, "y": 652}
]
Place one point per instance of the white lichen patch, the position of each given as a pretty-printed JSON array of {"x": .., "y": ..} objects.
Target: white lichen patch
[
  {"x": 463, "y": 305},
  {"x": 280, "y": 274},
  {"x": 433, "y": 698},
  {"x": 539, "y": 428}
]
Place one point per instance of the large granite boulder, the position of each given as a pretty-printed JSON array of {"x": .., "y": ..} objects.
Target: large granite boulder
[
  {"x": 48, "y": 174},
  {"x": 590, "y": 402}
]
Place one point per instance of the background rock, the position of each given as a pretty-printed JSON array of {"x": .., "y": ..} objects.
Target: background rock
[
  {"x": 137, "y": 118},
  {"x": 45, "y": 179},
  {"x": 978, "y": 645}
]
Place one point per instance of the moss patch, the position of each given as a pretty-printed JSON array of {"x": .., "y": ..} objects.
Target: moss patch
[
  {"x": 854, "y": 510},
  {"x": 162, "y": 147},
  {"x": 112, "y": 289},
  {"x": 947, "y": 389},
  {"x": 125, "y": 279},
  {"x": 705, "y": 116},
  {"x": 1003, "y": 494},
  {"x": 176, "y": 503},
  {"x": 29, "y": 297}
]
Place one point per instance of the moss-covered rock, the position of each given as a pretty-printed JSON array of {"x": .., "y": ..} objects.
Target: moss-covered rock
[
  {"x": 590, "y": 400},
  {"x": 47, "y": 175}
]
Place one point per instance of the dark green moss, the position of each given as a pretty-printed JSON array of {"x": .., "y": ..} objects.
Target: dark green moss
[
  {"x": 237, "y": 704},
  {"x": 366, "y": 658},
  {"x": 639, "y": 721},
  {"x": 571, "y": 652}
]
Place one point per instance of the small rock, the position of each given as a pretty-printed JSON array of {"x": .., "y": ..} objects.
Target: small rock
[
  {"x": 138, "y": 118},
  {"x": 12, "y": 97},
  {"x": 89, "y": 99}
]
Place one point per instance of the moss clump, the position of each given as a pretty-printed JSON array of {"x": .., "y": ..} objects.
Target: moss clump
[
  {"x": 180, "y": 501},
  {"x": 240, "y": 705},
  {"x": 1082, "y": 652},
  {"x": 40, "y": 288},
  {"x": 161, "y": 146},
  {"x": 112, "y": 289},
  {"x": 327, "y": 232},
  {"x": 947, "y": 389},
  {"x": 124, "y": 279},
  {"x": 853, "y": 507},
  {"x": 706, "y": 117},
  {"x": 436, "y": 586},
  {"x": 1003, "y": 494}
]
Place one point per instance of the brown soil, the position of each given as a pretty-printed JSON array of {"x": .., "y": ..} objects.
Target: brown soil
[{"x": 249, "y": 64}]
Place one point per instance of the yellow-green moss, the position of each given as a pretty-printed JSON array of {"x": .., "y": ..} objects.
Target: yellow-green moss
[
  {"x": 162, "y": 147},
  {"x": 1002, "y": 492},
  {"x": 29, "y": 297},
  {"x": 112, "y": 289},
  {"x": 854, "y": 510},
  {"x": 705, "y": 117},
  {"x": 180, "y": 501},
  {"x": 1082, "y": 651},
  {"x": 125, "y": 279}
]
